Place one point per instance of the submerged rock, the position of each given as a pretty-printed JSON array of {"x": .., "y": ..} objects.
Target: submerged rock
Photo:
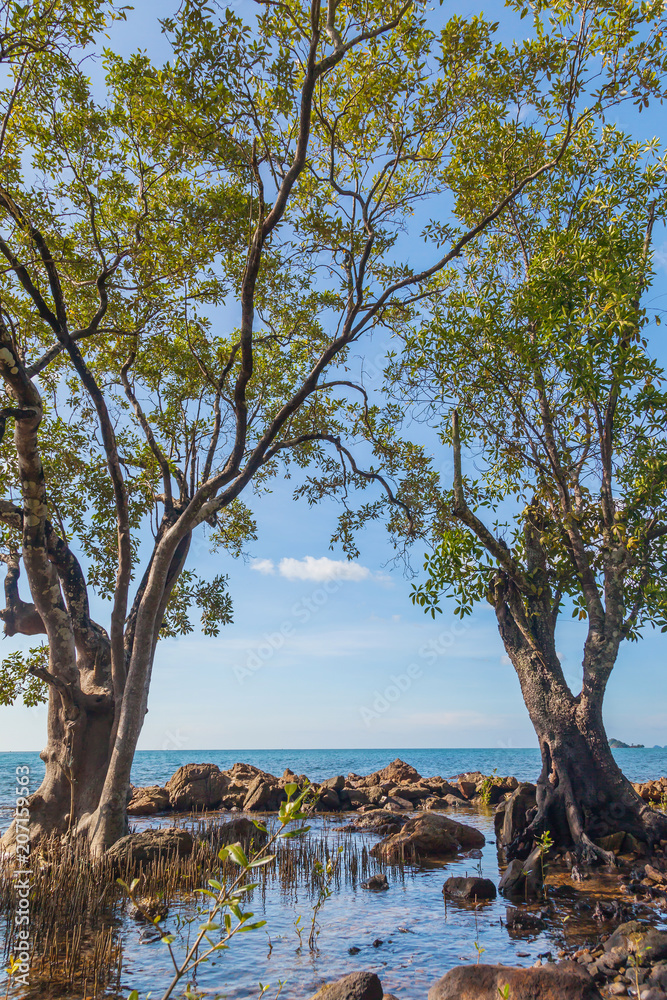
[
  {"x": 376, "y": 882},
  {"x": 566, "y": 981},
  {"x": 469, "y": 888},
  {"x": 150, "y": 845},
  {"x": 356, "y": 986},
  {"x": 428, "y": 835}
]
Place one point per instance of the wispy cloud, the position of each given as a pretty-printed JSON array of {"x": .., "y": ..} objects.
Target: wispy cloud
[{"x": 315, "y": 570}]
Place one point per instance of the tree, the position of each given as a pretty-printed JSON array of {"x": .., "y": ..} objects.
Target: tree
[
  {"x": 189, "y": 262},
  {"x": 538, "y": 362}
]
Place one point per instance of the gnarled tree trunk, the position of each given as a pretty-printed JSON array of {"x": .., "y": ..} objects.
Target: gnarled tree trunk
[{"x": 582, "y": 794}]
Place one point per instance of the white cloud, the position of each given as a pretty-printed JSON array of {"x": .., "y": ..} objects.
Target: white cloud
[
  {"x": 320, "y": 570},
  {"x": 264, "y": 566}
]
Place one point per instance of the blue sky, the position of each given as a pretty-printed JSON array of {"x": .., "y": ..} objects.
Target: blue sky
[{"x": 327, "y": 654}]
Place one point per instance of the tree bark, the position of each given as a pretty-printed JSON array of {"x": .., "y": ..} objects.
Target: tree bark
[{"x": 582, "y": 794}]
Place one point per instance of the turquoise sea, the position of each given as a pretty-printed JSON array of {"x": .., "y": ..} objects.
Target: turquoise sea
[{"x": 155, "y": 767}]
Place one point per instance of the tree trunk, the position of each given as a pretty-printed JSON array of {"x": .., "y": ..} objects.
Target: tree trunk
[{"x": 582, "y": 794}]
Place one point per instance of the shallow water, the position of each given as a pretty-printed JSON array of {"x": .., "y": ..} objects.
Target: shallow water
[{"x": 421, "y": 937}]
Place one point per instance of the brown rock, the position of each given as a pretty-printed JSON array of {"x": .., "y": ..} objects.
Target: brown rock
[
  {"x": 399, "y": 771},
  {"x": 414, "y": 792},
  {"x": 515, "y": 815},
  {"x": 150, "y": 845},
  {"x": 240, "y": 831},
  {"x": 467, "y": 788},
  {"x": 264, "y": 795},
  {"x": 566, "y": 981},
  {"x": 197, "y": 786},
  {"x": 148, "y": 800},
  {"x": 469, "y": 888},
  {"x": 428, "y": 835},
  {"x": 523, "y": 879},
  {"x": 356, "y": 986}
]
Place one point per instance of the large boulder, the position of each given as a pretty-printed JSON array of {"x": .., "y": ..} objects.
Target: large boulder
[
  {"x": 148, "y": 801},
  {"x": 473, "y": 888},
  {"x": 356, "y": 986},
  {"x": 197, "y": 786},
  {"x": 566, "y": 981},
  {"x": 150, "y": 845},
  {"x": 428, "y": 835},
  {"x": 264, "y": 795}
]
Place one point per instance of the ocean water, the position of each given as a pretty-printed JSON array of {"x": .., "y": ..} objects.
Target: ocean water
[
  {"x": 155, "y": 767},
  {"x": 408, "y": 935}
]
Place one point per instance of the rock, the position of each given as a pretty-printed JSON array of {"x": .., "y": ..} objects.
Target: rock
[
  {"x": 467, "y": 788},
  {"x": 264, "y": 795},
  {"x": 652, "y": 993},
  {"x": 469, "y": 888},
  {"x": 613, "y": 842},
  {"x": 240, "y": 831},
  {"x": 428, "y": 835},
  {"x": 357, "y": 797},
  {"x": 149, "y": 845},
  {"x": 633, "y": 846},
  {"x": 379, "y": 821},
  {"x": 353, "y": 950},
  {"x": 658, "y": 976},
  {"x": 566, "y": 981},
  {"x": 523, "y": 879},
  {"x": 515, "y": 813},
  {"x": 518, "y": 920},
  {"x": 336, "y": 784},
  {"x": 197, "y": 786},
  {"x": 328, "y": 799},
  {"x": 638, "y": 939},
  {"x": 245, "y": 773},
  {"x": 414, "y": 792},
  {"x": 376, "y": 882},
  {"x": 617, "y": 990},
  {"x": 399, "y": 771},
  {"x": 148, "y": 800},
  {"x": 356, "y": 986},
  {"x": 399, "y": 801},
  {"x": 378, "y": 943},
  {"x": 652, "y": 791},
  {"x": 456, "y": 802}
]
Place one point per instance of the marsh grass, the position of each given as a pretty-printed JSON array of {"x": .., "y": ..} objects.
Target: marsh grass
[{"x": 78, "y": 910}]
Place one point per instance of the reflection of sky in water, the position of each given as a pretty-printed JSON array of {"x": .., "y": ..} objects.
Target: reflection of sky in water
[{"x": 421, "y": 939}]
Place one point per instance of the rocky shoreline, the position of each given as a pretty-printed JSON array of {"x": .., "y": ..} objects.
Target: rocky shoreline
[
  {"x": 628, "y": 958},
  {"x": 397, "y": 787}
]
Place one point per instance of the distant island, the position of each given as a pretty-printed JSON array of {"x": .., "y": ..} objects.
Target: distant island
[{"x": 618, "y": 745}]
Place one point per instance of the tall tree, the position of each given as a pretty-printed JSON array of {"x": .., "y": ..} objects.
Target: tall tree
[
  {"x": 538, "y": 361},
  {"x": 189, "y": 262}
]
